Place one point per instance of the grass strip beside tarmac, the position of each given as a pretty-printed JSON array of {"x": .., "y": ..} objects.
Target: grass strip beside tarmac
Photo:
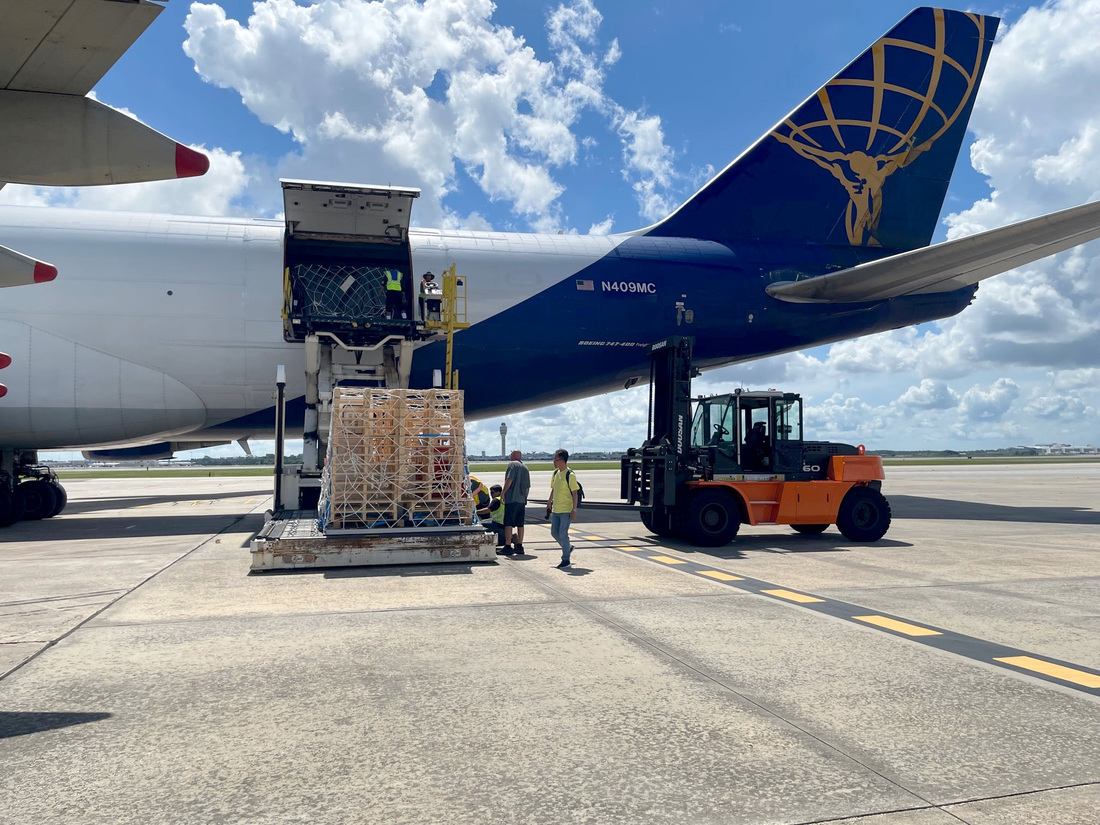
[{"x": 498, "y": 466}]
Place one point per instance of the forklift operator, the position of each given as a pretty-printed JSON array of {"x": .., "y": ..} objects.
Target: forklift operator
[{"x": 757, "y": 453}]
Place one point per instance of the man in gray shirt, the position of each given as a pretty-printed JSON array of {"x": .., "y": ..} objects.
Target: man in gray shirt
[{"x": 517, "y": 483}]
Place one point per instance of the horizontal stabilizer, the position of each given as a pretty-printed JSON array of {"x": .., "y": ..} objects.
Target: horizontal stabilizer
[
  {"x": 951, "y": 265},
  {"x": 17, "y": 269},
  {"x": 64, "y": 140}
]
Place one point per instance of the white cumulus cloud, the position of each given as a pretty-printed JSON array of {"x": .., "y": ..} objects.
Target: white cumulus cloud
[{"x": 426, "y": 92}]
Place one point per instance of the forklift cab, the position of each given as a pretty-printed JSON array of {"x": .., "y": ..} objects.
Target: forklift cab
[{"x": 748, "y": 432}]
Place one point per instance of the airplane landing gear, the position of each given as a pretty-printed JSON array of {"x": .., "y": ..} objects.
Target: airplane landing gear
[
  {"x": 39, "y": 498},
  {"x": 10, "y": 508},
  {"x": 28, "y": 490}
]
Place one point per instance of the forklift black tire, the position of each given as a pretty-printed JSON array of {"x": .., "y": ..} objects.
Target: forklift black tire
[
  {"x": 809, "y": 529},
  {"x": 713, "y": 518},
  {"x": 62, "y": 499},
  {"x": 864, "y": 515},
  {"x": 660, "y": 522},
  {"x": 39, "y": 499}
]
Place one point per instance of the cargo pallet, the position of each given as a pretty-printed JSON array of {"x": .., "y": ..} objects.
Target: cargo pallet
[
  {"x": 394, "y": 489},
  {"x": 295, "y": 541}
]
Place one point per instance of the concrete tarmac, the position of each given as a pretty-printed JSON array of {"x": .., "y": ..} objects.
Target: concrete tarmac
[{"x": 947, "y": 674}]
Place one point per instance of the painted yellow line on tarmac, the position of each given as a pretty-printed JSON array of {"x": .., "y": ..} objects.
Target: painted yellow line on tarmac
[
  {"x": 900, "y": 627},
  {"x": 718, "y": 574},
  {"x": 970, "y": 647},
  {"x": 593, "y": 538},
  {"x": 790, "y": 595},
  {"x": 1067, "y": 674}
]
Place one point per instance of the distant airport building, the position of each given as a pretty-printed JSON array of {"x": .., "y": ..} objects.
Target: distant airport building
[{"x": 1064, "y": 449}]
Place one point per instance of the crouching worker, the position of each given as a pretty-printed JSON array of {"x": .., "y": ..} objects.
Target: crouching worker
[{"x": 492, "y": 515}]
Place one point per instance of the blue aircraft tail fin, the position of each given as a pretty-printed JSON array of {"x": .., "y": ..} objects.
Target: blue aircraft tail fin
[{"x": 867, "y": 159}]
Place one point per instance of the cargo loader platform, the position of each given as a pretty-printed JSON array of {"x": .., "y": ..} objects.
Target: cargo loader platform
[{"x": 295, "y": 541}]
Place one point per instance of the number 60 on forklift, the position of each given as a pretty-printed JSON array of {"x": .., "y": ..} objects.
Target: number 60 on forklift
[{"x": 745, "y": 463}]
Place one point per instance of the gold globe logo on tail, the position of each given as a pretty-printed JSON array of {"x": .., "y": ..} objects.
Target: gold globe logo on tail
[{"x": 862, "y": 154}]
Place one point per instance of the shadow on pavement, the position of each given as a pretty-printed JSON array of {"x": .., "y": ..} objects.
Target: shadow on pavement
[
  {"x": 919, "y": 507},
  {"x": 125, "y": 526},
  {"x": 22, "y": 723},
  {"x": 95, "y": 504}
]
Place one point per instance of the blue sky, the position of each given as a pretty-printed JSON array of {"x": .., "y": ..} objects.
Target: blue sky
[
  {"x": 602, "y": 115},
  {"x": 716, "y": 74}
]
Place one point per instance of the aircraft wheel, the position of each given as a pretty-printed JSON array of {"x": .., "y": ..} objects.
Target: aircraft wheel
[
  {"x": 661, "y": 522},
  {"x": 62, "y": 499},
  {"x": 809, "y": 529},
  {"x": 713, "y": 518},
  {"x": 7, "y": 508},
  {"x": 39, "y": 499},
  {"x": 864, "y": 515},
  {"x": 14, "y": 511}
]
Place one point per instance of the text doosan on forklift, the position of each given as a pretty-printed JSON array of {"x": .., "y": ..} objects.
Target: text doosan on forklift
[{"x": 741, "y": 459}]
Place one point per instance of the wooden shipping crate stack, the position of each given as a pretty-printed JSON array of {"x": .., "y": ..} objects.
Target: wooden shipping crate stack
[{"x": 395, "y": 459}]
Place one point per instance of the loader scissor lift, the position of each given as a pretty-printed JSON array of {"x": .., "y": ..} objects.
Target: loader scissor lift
[{"x": 740, "y": 458}]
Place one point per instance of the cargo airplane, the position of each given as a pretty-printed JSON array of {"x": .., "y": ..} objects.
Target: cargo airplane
[{"x": 163, "y": 333}]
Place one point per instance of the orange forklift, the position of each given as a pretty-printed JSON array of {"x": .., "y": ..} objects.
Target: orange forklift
[{"x": 741, "y": 459}]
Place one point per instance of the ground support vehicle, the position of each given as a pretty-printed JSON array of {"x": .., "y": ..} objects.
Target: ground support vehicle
[{"x": 740, "y": 458}]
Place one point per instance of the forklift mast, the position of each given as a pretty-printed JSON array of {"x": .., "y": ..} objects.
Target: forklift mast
[
  {"x": 652, "y": 473},
  {"x": 670, "y": 374}
]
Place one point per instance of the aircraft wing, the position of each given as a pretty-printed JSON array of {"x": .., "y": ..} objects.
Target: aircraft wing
[
  {"x": 66, "y": 46},
  {"x": 52, "y": 52},
  {"x": 951, "y": 265}
]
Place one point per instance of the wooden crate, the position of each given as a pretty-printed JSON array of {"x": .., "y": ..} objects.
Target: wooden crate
[{"x": 396, "y": 457}]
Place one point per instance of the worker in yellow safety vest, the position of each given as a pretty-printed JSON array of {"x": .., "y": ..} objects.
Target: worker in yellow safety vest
[
  {"x": 395, "y": 296},
  {"x": 480, "y": 493},
  {"x": 492, "y": 515}
]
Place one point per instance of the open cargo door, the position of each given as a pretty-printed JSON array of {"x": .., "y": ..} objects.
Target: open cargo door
[{"x": 345, "y": 245}]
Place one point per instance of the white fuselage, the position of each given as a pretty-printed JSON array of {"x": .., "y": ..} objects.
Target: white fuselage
[{"x": 159, "y": 326}]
